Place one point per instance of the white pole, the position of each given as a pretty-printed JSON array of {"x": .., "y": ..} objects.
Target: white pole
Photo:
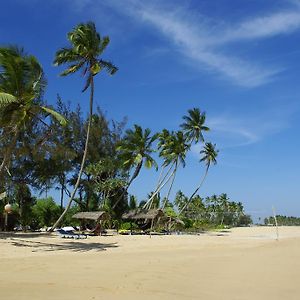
[{"x": 274, "y": 214}]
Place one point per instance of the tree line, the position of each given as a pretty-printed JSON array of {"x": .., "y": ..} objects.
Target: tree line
[
  {"x": 91, "y": 160},
  {"x": 282, "y": 221}
]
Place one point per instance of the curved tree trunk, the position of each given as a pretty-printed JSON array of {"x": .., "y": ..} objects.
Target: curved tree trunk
[
  {"x": 171, "y": 185},
  {"x": 195, "y": 192},
  {"x": 9, "y": 151},
  {"x": 134, "y": 175},
  {"x": 160, "y": 182},
  {"x": 57, "y": 223},
  {"x": 149, "y": 202}
]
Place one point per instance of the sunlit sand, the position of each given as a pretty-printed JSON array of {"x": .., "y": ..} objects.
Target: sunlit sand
[{"x": 240, "y": 263}]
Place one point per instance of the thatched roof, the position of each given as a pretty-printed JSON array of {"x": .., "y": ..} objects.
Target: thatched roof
[
  {"x": 143, "y": 214},
  {"x": 92, "y": 215}
]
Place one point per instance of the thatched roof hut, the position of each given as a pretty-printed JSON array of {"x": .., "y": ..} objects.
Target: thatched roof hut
[
  {"x": 146, "y": 214},
  {"x": 92, "y": 215}
]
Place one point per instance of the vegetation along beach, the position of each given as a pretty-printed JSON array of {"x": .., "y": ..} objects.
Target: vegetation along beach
[{"x": 148, "y": 149}]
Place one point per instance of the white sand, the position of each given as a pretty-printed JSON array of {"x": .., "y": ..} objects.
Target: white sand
[{"x": 241, "y": 263}]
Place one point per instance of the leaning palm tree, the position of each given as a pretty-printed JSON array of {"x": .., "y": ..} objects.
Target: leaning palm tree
[
  {"x": 22, "y": 84},
  {"x": 209, "y": 157},
  {"x": 83, "y": 55},
  {"x": 194, "y": 125},
  {"x": 173, "y": 150},
  {"x": 135, "y": 150}
]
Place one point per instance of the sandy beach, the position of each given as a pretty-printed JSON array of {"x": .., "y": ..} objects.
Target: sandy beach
[{"x": 240, "y": 263}]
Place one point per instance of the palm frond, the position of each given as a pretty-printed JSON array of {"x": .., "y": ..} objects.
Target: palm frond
[
  {"x": 110, "y": 67},
  {"x": 61, "y": 119},
  {"x": 6, "y": 99},
  {"x": 72, "y": 69}
]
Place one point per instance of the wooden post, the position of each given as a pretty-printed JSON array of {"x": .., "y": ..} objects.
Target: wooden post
[{"x": 274, "y": 214}]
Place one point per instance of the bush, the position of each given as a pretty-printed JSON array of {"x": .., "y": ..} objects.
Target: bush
[
  {"x": 45, "y": 212},
  {"x": 128, "y": 226}
]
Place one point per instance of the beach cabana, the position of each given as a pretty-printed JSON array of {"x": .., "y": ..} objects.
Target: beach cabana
[
  {"x": 145, "y": 218},
  {"x": 97, "y": 216},
  {"x": 143, "y": 214}
]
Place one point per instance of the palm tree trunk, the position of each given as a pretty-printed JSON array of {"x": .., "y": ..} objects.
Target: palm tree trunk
[
  {"x": 62, "y": 197},
  {"x": 9, "y": 151},
  {"x": 195, "y": 192},
  {"x": 57, "y": 223},
  {"x": 171, "y": 185},
  {"x": 134, "y": 175},
  {"x": 160, "y": 182},
  {"x": 149, "y": 202}
]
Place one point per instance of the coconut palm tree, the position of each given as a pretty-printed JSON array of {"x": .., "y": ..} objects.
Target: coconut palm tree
[
  {"x": 135, "y": 150},
  {"x": 194, "y": 125},
  {"x": 83, "y": 54},
  {"x": 224, "y": 206},
  {"x": 173, "y": 150},
  {"x": 209, "y": 157},
  {"x": 22, "y": 84}
]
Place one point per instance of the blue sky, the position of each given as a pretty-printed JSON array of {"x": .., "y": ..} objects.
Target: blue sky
[{"x": 237, "y": 60}]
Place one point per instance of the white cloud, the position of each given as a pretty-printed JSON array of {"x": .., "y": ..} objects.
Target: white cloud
[
  {"x": 263, "y": 27},
  {"x": 231, "y": 131},
  {"x": 197, "y": 43},
  {"x": 202, "y": 40}
]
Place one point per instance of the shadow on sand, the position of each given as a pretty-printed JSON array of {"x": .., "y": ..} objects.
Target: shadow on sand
[
  {"x": 25, "y": 240},
  {"x": 18, "y": 234}
]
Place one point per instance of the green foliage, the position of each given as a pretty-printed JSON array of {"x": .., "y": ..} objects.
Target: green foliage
[
  {"x": 45, "y": 212},
  {"x": 68, "y": 220},
  {"x": 170, "y": 212},
  {"x": 283, "y": 220},
  {"x": 194, "y": 125},
  {"x": 215, "y": 211},
  {"x": 128, "y": 226},
  {"x": 132, "y": 202}
]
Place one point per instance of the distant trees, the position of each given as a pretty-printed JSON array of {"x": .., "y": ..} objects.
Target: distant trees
[
  {"x": 283, "y": 220},
  {"x": 211, "y": 211}
]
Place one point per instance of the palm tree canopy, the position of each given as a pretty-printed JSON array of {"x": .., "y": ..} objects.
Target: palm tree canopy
[
  {"x": 194, "y": 125},
  {"x": 173, "y": 147},
  {"x": 22, "y": 84},
  {"x": 209, "y": 154},
  {"x": 136, "y": 147},
  {"x": 86, "y": 46},
  {"x": 21, "y": 75}
]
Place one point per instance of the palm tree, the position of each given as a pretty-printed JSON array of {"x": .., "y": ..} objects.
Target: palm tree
[
  {"x": 223, "y": 206},
  {"x": 209, "y": 157},
  {"x": 194, "y": 125},
  {"x": 22, "y": 84},
  {"x": 135, "y": 150},
  {"x": 173, "y": 149},
  {"x": 83, "y": 54}
]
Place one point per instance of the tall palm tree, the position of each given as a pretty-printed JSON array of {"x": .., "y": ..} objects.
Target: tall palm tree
[
  {"x": 135, "y": 150},
  {"x": 209, "y": 157},
  {"x": 22, "y": 84},
  {"x": 223, "y": 206},
  {"x": 194, "y": 125},
  {"x": 83, "y": 54},
  {"x": 173, "y": 150}
]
